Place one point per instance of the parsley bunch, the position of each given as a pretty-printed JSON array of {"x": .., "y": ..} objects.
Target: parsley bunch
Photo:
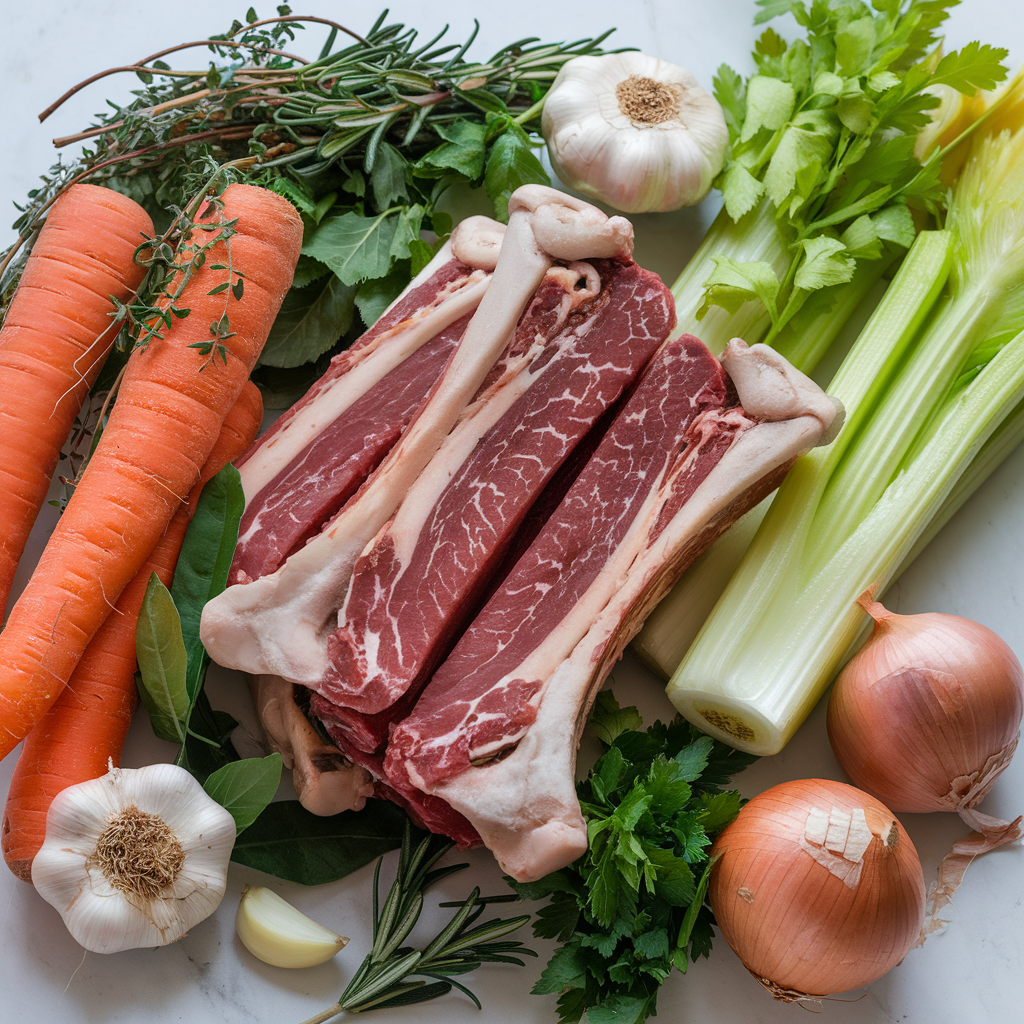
[
  {"x": 632, "y": 908},
  {"x": 824, "y": 131}
]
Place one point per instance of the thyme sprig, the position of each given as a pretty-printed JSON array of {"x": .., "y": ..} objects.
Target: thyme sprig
[
  {"x": 258, "y": 100},
  {"x": 395, "y": 975}
]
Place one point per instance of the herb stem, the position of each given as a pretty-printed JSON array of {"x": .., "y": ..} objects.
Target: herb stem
[
  {"x": 332, "y": 1011},
  {"x": 531, "y": 112},
  {"x": 301, "y": 17},
  {"x": 113, "y": 71}
]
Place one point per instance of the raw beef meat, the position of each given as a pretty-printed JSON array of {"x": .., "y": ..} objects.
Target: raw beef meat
[
  {"x": 411, "y": 589},
  {"x": 280, "y": 623},
  {"x": 496, "y": 730},
  {"x": 303, "y": 470}
]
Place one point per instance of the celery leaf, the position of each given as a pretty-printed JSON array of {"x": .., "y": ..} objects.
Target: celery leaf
[
  {"x": 770, "y": 103},
  {"x": 862, "y": 240},
  {"x": 740, "y": 190},
  {"x": 895, "y": 224},
  {"x": 976, "y": 66},
  {"x": 826, "y": 261},
  {"x": 773, "y": 9},
  {"x": 854, "y": 43},
  {"x": 731, "y": 92},
  {"x": 732, "y": 283}
]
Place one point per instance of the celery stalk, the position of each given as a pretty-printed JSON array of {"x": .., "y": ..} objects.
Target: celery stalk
[
  {"x": 850, "y": 515},
  {"x": 757, "y": 236},
  {"x": 672, "y": 626},
  {"x": 822, "y": 203},
  {"x": 754, "y": 690}
]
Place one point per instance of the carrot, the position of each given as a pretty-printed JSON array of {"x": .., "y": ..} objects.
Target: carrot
[
  {"x": 172, "y": 401},
  {"x": 87, "y": 724},
  {"x": 54, "y": 340}
]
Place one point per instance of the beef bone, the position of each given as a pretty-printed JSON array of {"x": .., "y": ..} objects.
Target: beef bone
[
  {"x": 496, "y": 730},
  {"x": 326, "y": 782},
  {"x": 279, "y": 624}
]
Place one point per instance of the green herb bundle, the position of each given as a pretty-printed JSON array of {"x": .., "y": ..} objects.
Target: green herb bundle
[
  {"x": 366, "y": 139},
  {"x": 632, "y": 909},
  {"x": 382, "y": 980}
]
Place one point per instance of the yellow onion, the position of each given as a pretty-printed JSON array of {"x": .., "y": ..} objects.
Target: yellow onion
[
  {"x": 928, "y": 712},
  {"x": 818, "y": 889},
  {"x": 925, "y": 716}
]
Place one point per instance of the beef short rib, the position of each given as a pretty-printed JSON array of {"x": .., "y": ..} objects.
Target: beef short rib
[{"x": 496, "y": 729}]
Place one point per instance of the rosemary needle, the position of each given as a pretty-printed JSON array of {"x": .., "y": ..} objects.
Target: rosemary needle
[{"x": 394, "y": 975}]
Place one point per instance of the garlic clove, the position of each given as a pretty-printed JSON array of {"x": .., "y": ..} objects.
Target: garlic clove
[{"x": 279, "y": 934}]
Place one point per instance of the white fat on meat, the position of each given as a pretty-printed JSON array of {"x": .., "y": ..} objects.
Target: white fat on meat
[{"x": 278, "y": 624}]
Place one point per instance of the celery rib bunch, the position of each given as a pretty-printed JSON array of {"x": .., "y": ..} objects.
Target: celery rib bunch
[
  {"x": 825, "y": 138},
  {"x": 933, "y": 389}
]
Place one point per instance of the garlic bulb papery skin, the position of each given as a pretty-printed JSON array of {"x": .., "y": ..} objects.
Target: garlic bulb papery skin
[
  {"x": 135, "y": 858},
  {"x": 281, "y": 935},
  {"x": 817, "y": 888},
  {"x": 927, "y": 714},
  {"x": 634, "y": 131}
]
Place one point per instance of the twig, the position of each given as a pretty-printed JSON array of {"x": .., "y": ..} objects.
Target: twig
[
  {"x": 165, "y": 71},
  {"x": 179, "y": 101}
]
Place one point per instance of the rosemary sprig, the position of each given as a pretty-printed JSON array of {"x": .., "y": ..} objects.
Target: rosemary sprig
[
  {"x": 394, "y": 975},
  {"x": 258, "y": 100}
]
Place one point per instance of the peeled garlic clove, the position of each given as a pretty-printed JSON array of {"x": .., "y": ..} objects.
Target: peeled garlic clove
[{"x": 278, "y": 934}]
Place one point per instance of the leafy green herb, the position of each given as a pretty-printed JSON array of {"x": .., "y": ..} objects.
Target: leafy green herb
[
  {"x": 631, "y": 910},
  {"x": 364, "y": 139},
  {"x": 310, "y": 322},
  {"x": 162, "y": 663},
  {"x": 288, "y": 841},
  {"x": 202, "y": 569},
  {"x": 382, "y": 979},
  {"x": 172, "y": 659},
  {"x": 374, "y": 297},
  {"x": 824, "y": 129},
  {"x": 245, "y": 787}
]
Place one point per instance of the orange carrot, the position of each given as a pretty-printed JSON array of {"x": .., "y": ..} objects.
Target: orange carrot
[
  {"x": 87, "y": 724},
  {"x": 54, "y": 340},
  {"x": 172, "y": 401}
]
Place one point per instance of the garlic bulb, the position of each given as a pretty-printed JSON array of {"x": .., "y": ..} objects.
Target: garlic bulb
[
  {"x": 817, "y": 888},
  {"x": 634, "y": 131},
  {"x": 278, "y": 934},
  {"x": 134, "y": 858}
]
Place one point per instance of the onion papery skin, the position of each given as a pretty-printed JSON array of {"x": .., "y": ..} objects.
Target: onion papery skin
[
  {"x": 927, "y": 714},
  {"x": 794, "y": 922}
]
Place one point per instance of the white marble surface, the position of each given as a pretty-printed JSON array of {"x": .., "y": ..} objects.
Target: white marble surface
[{"x": 971, "y": 973}]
